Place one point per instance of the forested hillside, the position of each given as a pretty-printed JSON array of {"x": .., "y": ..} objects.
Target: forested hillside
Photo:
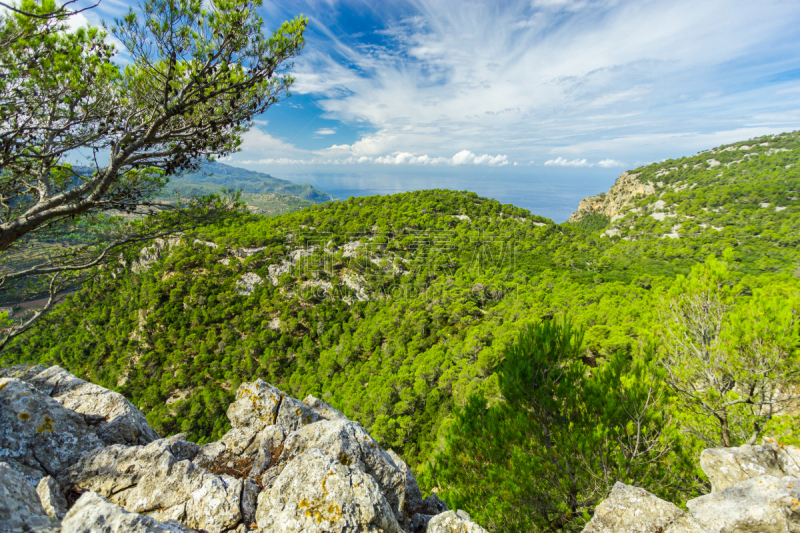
[
  {"x": 743, "y": 194},
  {"x": 398, "y": 309},
  {"x": 216, "y": 174},
  {"x": 261, "y": 193}
]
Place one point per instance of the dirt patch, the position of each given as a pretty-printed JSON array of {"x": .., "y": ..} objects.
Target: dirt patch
[{"x": 238, "y": 468}]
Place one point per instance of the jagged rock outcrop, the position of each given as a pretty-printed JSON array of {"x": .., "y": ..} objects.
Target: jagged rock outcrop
[
  {"x": 623, "y": 193},
  {"x": 453, "y": 522},
  {"x": 634, "y": 510},
  {"x": 755, "y": 489},
  {"x": 20, "y": 508},
  {"x": 38, "y": 433},
  {"x": 322, "y": 409},
  {"x": 317, "y": 493},
  {"x": 115, "y": 419},
  {"x": 725, "y": 467},
  {"x": 22, "y": 372},
  {"x": 52, "y": 498},
  {"x": 153, "y": 481},
  {"x": 763, "y": 504},
  {"x": 151, "y": 254},
  {"x": 92, "y": 514},
  {"x": 349, "y": 444},
  {"x": 285, "y": 466},
  {"x": 248, "y": 282}
]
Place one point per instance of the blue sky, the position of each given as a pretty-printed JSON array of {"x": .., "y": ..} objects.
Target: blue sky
[
  {"x": 554, "y": 82},
  {"x": 543, "y": 87}
]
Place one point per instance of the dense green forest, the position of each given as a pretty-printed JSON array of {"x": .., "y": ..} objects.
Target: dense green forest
[{"x": 406, "y": 313}]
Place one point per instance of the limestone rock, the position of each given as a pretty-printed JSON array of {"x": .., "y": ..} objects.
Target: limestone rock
[
  {"x": 316, "y": 493},
  {"x": 293, "y": 414},
  {"x": 116, "y": 420},
  {"x": 94, "y": 514},
  {"x": 324, "y": 410},
  {"x": 248, "y": 283},
  {"x": 150, "y": 480},
  {"x": 625, "y": 191},
  {"x": 40, "y": 433},
  {"x": 22, "y": 372},
  {"x": 419, "y": 523},
  {"x": 259, "y": 405},
  {"x": 432, "y": 505},
  {"x": 451, "y": 522},
  {"x": 20, "y": 509},
  {"x": 237, "y": 440},
  {"x": 413, "y": 499},
  {"x": 319, "y": 470},
  {"x": 630, "y": 509},
  {"x": 181, "y": 448},
  {"x": 151, "y": 254},
  {"x": 349, "y": 444},
  {"x": 51, "y": 497},
  {"x": 242, "y": 452},
  {"x": 250, "y": 493},
  {"x": 256, "y": 405},
  {"x": 764, "y": 504},
  {"x": 725, "y": 467}
]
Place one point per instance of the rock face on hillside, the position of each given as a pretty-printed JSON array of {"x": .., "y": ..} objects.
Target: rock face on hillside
[
  {"x": 755, "y": 489},
  {"x": 75, "y": 457},
  {"x": 624, "y": 192}
]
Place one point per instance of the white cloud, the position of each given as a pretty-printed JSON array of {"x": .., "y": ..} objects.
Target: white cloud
[
  {"x": 257, "y": 144},
  {"x": 561, "y": 162},
  {"x": 522, "y": 77},
  {"x": 571, "y": 5},
  {"x": 610, "y": 163},
  {"x": 465, "y": 157},
  {"x": 325, "y": 131},
  {"x": 337, "y": 150}
]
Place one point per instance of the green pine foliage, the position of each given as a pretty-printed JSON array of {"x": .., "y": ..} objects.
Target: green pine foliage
[
  {"x": 405, "y": 312},
  {"x": 565, "y": 433}
]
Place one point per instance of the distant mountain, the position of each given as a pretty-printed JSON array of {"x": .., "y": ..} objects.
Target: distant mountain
[{"x": 221, "y": 175}]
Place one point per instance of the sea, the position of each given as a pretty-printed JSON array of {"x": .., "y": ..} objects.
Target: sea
[{"x": 552, "y": 192}]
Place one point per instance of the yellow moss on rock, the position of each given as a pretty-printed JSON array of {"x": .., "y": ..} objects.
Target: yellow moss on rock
[{"x": 47, "y": 425}]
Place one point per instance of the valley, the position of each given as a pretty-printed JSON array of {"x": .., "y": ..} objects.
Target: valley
[{"x": 400, "y": 310}]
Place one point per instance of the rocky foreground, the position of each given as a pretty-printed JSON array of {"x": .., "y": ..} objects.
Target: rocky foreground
[
  {"x": 75, "y": 457},
  {"x": 754, "y": 489}
]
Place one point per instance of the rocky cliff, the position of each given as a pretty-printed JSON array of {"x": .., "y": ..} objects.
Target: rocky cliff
[
  {"x": 625, "y": 191},
  {"x": 75, "y": 457},
  {"x": 755, "y": 489}
]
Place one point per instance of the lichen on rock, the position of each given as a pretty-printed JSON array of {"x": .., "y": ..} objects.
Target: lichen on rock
[
  {"x": 317, "y": 493},
  {"x": 285, "y": 465}
]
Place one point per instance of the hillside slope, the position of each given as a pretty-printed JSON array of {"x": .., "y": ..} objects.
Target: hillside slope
[
  {"x": 395, "y": 308},
  {"x": 218, "y": 174},
  {"x": 746, "y": 192}
]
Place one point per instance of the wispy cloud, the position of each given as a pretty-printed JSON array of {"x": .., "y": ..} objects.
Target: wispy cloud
[
  {"x": 464, "y": 157},
  {"x": 326, "y": 131},
  {"x": 522, "y": 78},
  {"x": 561, "y": 162}
]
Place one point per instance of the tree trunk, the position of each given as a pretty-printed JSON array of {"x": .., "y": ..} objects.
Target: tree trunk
[{"x": 725, "y": 433}]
